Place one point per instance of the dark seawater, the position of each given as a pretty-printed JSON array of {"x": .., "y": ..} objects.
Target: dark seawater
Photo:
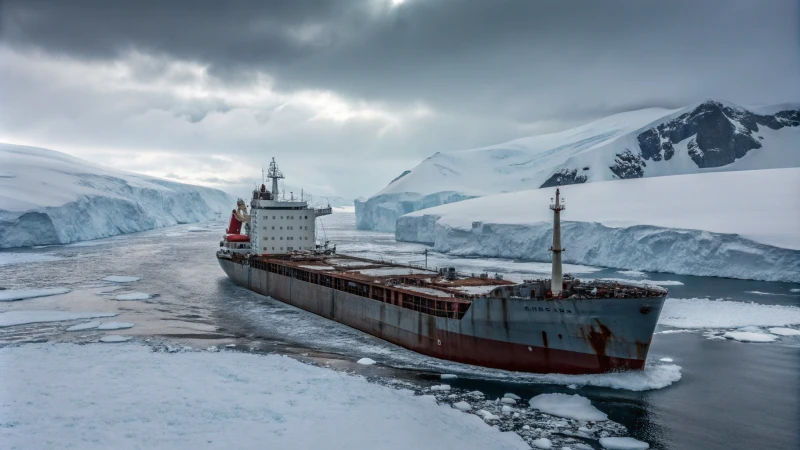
[{"x": 732, "y": 395}]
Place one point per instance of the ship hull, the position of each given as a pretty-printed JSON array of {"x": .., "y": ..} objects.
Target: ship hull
[{"x": 517, "y": 334}]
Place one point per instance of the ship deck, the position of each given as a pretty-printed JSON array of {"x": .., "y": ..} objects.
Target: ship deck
[{"x": 413, "y": 280}]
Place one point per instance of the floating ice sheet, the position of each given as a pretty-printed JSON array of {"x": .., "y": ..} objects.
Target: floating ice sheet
[
  {"x": 133, "y": 296},
  {"x": 115, "y": 326},
  {"x": 781, "y": 331},
  {"x": 366, "y": 361},
  {"x": 8, "y": 258},
  {"x": 749, "y": 336},
  {"x": 121, "y": 279},
  {"x": 115, "y": 338},
  {"x": 225, "y": 395},
  {"x": 623, "y": 443},
  {"x": 705, "y": 313},
  {"x": 84, "y": 326},
  {"x": 12, "y": 318},
  {"x": 11, "y": 295},
  {"x": 568, "y": 406}
]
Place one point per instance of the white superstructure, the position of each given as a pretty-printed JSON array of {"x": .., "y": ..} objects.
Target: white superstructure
[{"x": 280, "y": 226}]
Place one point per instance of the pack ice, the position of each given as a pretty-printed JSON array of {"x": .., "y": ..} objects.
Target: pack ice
[
  {"x": 706, "y": 137},
  {"x": 48, "y": 197},
  {"x": 739, "y": 224}
]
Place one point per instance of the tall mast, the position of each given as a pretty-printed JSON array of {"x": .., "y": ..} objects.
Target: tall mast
[
  {"x": 275, "y": 174},
  {"x": 557, "y": 278}
]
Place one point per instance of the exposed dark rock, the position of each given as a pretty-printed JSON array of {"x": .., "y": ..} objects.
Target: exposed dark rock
[
  {"x": 628, "y": 165},
  {"x": 721, "y": 134},
  {"x": 564, "y": 177},
  {"x": 406, "y": 172}
]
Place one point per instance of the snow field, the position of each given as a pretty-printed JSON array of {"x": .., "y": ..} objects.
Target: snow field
[
  {"x": 11, "y": 295},
  {"x": 231, "y": 400}
]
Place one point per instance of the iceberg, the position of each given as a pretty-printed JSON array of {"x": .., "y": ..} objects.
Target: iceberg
[
  {"x": 728, "y": 224},
  {"x": 48, "y": 197}
]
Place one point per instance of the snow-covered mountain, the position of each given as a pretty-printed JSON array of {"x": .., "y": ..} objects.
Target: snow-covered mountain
[
  {"x": 741, "y": 224},
  {"x": 48, "y": 197},
  {"x": 708, "y": 137}
]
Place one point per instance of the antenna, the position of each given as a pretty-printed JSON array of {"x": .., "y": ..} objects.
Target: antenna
[{"x": 275, "y": 174}]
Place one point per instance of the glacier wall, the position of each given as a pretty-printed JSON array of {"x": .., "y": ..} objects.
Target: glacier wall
[
  {"x": 380, "y": 213},
  {"x": 640, "y": 247},
  {"x": 128, "y": 209}
]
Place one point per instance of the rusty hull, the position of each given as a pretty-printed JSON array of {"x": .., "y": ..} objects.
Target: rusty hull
[{"x": 573, "y": 336}]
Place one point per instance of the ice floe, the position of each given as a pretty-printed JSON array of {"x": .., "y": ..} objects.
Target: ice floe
[
  {"x": 542, "y": 443},
  {"x": 632, "y": 273},
  {"x": 12, "y": 318},
  {"x": 115, "y": 338},
  {"x": 294, "y": 405},
  {"x": 706, "y": 313},
  {"x": 121, "y": 279},
  {"x": 462, "y": 406},
  {"x": 115, "y": 326},
  {"x": 623, "y": 443},
  {"x": 653, "y": 282},
  {"x": 84, "y": 326},
  {"x": 665, "y": 359},
  {"x": 749, "y": 336},
  {"x": 573, "y": 407},
  {"x": 366, "y": 361},
  {"x": 134, "y": 296},
  {"x": 678, "y": 331},
  {"x": 781, "y": 331},
  {"x": 448, "y": 376},
  {"x": 8, "y": 258},
  {"x": 11, "y": 295},
  {"x": 441, "y": 387}
]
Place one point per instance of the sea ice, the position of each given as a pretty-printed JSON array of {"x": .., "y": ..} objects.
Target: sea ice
[
  {"x": 706, "y": 313},
  {"x": 542, "y": 443},
  {"x": 448, "y": 376},
  {"x": 665, "y": 359},
  {"x": 115, "y": 338},
  {"x": 134, "y": 296},
  {"x": 11, "y": 295},
  {"x": 121, "y": 279},
  {"x": 508, "y": 401},
  {"x": 115, "y": 326},
  {"x": 488, "y": 415},
  {"x": 794, "y": 290},
  {"x": 441, "y": 387},
  {"x": 512, "y": 396},
  {"x": 678, "y": 331},
  {"x": 366, "y": 361},
  {"x": 462, "y": 406},
  {"x": 749, "y": 336},
  {"x": 568, "y": 406},
  {"x": 84, "y": 326},
  {"x": 632, "y": 273},
  {"x": 781, "y": 331},
  {"x": 8, "y": 258},
  {"x": 11, "y": 318},
  {"x": 234, "y": 399},
  {"x": 653, "y": 282},
  {"x": 623, "y": 443},
  {"x": 654, "y": 376}
]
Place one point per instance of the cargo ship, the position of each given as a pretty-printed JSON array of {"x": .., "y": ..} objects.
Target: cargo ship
[{"x": 557, "y": 325}]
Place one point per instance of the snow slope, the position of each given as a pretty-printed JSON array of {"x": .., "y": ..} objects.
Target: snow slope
[
  {"x": 47, "y": 197},
  {"x": 708, "y": 137},
  {"x": 732, "y": 224},
  {"x": 127, "y": 396}
]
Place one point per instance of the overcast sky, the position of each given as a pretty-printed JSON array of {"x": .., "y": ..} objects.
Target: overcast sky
[{"x": 348, "y": 94}]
